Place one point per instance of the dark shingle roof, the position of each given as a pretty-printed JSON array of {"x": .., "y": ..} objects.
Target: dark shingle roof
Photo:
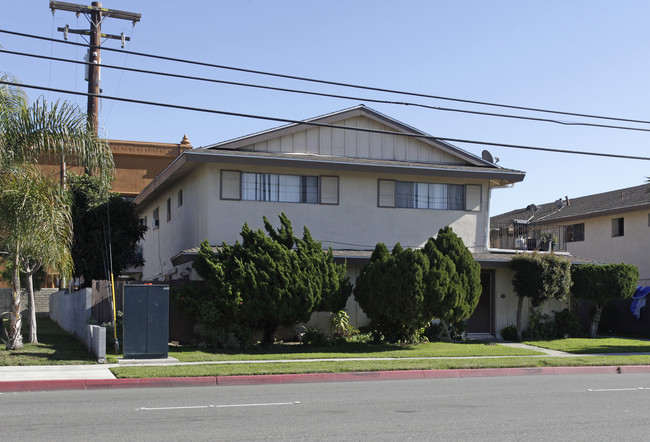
[{"x": 615, "y": 201}]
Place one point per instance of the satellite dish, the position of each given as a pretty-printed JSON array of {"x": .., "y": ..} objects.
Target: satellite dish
[
  {"x": 532, "y": 207},
  {"x": 559, "y": 204},
  {"x": 487, "y": 156}
]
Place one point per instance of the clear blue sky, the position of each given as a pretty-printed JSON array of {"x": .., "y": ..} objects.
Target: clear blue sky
[{"x": 579, "y": 56}]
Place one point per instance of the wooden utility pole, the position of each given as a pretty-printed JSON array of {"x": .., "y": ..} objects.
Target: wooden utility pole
[{"x": 96, "y": 15}]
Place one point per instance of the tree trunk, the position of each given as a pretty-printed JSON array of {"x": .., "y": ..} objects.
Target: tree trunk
[
  {"x": 520, "y": 307},
  {"x": 33, "y": 339},
  {"x": 15, "y": 338},
  {"x": 595, "y": 321}
]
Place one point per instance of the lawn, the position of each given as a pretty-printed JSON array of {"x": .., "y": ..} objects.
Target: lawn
[
  {"x": 371, "y": 365},
  {"x": 55, "y": 347},
  {"x": 595, "y": 346},
  {"x": 348, "y": 350}
]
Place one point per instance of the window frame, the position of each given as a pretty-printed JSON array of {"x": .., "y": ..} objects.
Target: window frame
[
  {"x": 155, "y": 218},
  {"x": 267, "y": 187},
  {"x": 618, "y": 227},
  {"x": 571, "y": 232},
  {"x": 414, "y": 197}
]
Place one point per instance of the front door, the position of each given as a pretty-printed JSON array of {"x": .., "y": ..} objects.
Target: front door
[{"x": 481, "y": 319}]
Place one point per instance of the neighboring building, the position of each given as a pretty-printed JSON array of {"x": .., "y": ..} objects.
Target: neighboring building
[
  {"x": 352, "y": 189},
  {"x": 137, "y": 163},
  {"x": 611, "y": 227}
]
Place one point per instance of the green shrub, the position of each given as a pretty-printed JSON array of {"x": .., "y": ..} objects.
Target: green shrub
[
  {"x": 340, "y": 324},
  {"x": 567, "y": 324},
  {"x": 509, "y": 333},
  {"x": 312, "y": 336},
  {"x": 601, "y": 283}
]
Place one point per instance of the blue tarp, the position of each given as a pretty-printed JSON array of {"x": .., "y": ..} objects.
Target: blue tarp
[{"x": 639, "y": 300}]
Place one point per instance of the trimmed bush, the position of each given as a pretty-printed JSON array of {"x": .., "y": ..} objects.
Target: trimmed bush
[{"x": 600, "y": 283}]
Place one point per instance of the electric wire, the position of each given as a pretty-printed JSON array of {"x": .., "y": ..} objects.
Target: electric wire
[
  {"x": 335, "y": 83},
  {"x": 331, "y": 126},
  {"x": 322, "y": 94}
]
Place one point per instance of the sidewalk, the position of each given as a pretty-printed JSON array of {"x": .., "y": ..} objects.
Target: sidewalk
[{"x": 99, "y": 376}]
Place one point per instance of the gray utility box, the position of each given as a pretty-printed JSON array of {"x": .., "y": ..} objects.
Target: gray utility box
[{"x": 146, "y": 321}]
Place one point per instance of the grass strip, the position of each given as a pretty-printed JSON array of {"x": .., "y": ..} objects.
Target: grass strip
[
  {"x": 55, "y": 347},
  {"x": 595, "y": 346},
  {"x": 347, "y": 350},
  {"x": 371, "y": 365}
]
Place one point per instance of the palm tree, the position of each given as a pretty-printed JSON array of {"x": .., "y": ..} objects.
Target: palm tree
[
  {"x": 37, "y": 225},
  {"x": 36, "y": 228}
]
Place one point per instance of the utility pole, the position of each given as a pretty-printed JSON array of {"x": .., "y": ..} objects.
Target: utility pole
[{"x": 96, "y": 15}]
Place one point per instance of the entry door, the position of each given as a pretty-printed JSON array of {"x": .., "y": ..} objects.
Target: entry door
[{"x": 481, "y": 319}]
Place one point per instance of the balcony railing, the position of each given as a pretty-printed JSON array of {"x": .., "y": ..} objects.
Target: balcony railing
[{"x": 526, "y": 237}]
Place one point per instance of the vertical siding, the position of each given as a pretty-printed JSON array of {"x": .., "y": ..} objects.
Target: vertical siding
[{"x": 356, "y": 144}]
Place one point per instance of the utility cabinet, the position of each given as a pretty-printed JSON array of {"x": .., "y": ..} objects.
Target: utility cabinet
[{"x": 146, "y": 321}]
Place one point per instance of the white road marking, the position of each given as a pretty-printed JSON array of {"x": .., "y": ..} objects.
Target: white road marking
[
  {"x": 218, "y": 406},
  {"x": 618, "y": 389}
]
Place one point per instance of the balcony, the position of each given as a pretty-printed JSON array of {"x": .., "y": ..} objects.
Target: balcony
[{"x": 526, "y": 237}]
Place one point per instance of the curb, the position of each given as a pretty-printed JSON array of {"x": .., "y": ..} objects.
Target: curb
[{"x": 214, "y": 381}]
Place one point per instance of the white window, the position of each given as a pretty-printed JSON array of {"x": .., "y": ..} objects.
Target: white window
[
  {"x": 155, "y": 220},
  {"x": 430, "y": 196},
  {"x": 618, "y": 227},
  {"x": 280, "y": 188}
]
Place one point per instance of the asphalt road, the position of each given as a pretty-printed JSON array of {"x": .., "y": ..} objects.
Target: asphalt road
[{"x": 589, "y": 408}]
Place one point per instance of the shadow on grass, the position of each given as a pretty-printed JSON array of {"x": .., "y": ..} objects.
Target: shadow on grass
[
  {"x": 342, "y": 347},
  {"x": 55, "y": 347}
]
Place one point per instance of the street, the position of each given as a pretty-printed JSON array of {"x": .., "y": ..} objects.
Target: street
[{"x": 589, "y": 407}]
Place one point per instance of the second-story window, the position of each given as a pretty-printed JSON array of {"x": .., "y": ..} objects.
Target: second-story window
[
  {"x": 575, "y": 232},
  {"x": 169, "y": 209},
  {"x": 155, "y": 220},
  {"x": 430, "y": 196},
  {"x": 618, "y": 227},
  {"x": 281, "y": 188}
]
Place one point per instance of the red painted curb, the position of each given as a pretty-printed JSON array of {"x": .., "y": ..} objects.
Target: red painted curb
[
  {"x": 103, "y": 384},
  {"x": 212, "y": 381}
]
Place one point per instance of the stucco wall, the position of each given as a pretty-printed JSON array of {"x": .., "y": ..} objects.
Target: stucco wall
[
  {"x": 631, "y": 248},
  {"x": 506, "y": 300},
  {"x": 355, "y": 223}
]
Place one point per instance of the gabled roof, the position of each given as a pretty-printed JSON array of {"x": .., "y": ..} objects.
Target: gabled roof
[
  {"x": 334, "y": 117},
  {"x": 612, "y": 202},
  {"x": 242, "y": 150}
]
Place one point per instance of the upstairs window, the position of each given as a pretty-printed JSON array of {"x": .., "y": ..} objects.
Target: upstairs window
[
  {"x": 280, "y": 188},
  {"x": 575, "y": 232},
  {"x": 618, "y": 227},
  {"x": 430, "y": 196},
  {"x": 180, "y": 197},
  {"x": 155, "y": 219},
  {"x": 169, "y": 209}
]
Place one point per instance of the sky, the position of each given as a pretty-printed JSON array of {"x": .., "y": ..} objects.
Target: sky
[{"x": 581, "y": 56}]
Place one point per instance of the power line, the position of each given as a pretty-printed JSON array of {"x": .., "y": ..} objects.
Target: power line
[
  {"x": 335, "y": 83},
  {"x": 331, "y": 126},
  {"x": 323, "y": 94}
]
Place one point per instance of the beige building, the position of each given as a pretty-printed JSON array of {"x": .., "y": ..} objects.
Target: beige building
[
  {"x": 383, "y": 182},
  {"x": 610, "y": 227}
]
